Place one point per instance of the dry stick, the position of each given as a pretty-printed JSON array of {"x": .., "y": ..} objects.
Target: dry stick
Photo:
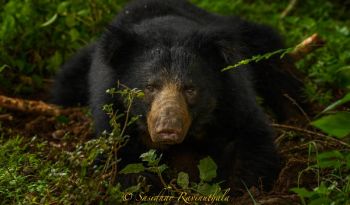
[
  {"x": 7, "y": 117},
  {"x": 307, "y": 46},
  {"x": 278, "y": 199},
  {"x": 29, "y": 106},
  {"x": 304, "y": 48},
  {"x": 298, "y": 129},
  {"x": 298, "y": 106},
  {"x": 289, "y": 8}
]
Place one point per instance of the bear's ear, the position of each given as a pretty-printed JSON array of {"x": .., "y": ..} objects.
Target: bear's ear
[
  {"x": 220, "y": 43},
  {"x": 116, "y": 43}
]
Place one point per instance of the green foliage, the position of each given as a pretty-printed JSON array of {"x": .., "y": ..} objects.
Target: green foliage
[
  {"x": 258, "y": 58},
  {"x": 3, "y": 68},
  {"x": 336, "y": 125},
  {"x": 328, "y": 66},
  {"x": 152, "y": 161},
  {"x": 37, "y": 36},
  {"x": 207, "y": 169},
  {"x": 183, "y": 180},
  {"x": 27, "y": 177},
  {"x": 337, "y": 103},
  {"x": 334, "y": 187},
  {"x": 132, "y": 169},
  {"x": 54, "y": 26}
]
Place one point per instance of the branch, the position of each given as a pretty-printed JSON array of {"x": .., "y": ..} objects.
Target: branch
[
  {"x": 29, "y": 106},
  {"x": 7, "y": 117},
  {"x": 309, "y": 132},
  {"x": 289, "y": 8},
  {"x": 307, "y": 46}
]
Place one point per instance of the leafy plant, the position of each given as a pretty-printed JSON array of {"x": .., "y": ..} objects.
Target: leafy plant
[
  {"x": 36, "y": 37},
  {"x": 258, "y": 58},
  {"x": 334, "y": 187},
  {"x": 207, "y": 170},
  {"x": 336, "y": 124}
]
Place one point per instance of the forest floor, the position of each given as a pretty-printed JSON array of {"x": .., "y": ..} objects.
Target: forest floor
[{"x": 295, "y": 142}]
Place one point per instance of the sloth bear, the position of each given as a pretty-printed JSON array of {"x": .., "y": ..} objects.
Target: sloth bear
[{"x": 174, "y": 52}]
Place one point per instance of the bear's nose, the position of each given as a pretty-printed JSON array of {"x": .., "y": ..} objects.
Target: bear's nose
[
  {"x": 169, "y": 126},
  {"x": 169, "y": 120}
]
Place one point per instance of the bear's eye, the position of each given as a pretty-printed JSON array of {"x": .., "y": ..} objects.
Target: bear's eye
[
  {"x": 190, "y": 91},
  {"x": 150, "y": 88}
]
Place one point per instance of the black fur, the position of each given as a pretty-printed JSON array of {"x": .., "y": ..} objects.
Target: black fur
[{"x": 192, "y": 45}]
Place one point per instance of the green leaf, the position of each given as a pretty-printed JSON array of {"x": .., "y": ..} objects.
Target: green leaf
[
  {"x": 84, "y": 12},
  {"x": 158, "y": 169},
  {"x": 162, "y": 167},
  {"x": 50, "y": 21},
  {"x": 74, "y": 34},
  {"x": 329, "y": 164},
  {"x": 70, "y": 21},
  {"x": 207, "y": 169},
  {"x": 55, "y": 61},
  {"x": 345, "y": 99},
  {"x": 207, "y": 189},
  {"x": 63, "y": 7},
  {"x": 7, "y": 27},
  {"x": 150, "y": 157},
  {"x": 331, "y": 159},
  {"x": 258, "y": 58},
  {"x": 320, "y": 201},
  {"x": 337, "y": 125},
  {"x": 2, "y": 68},
  {"x": 334, "y": 154},
  {"x": 343, "y": 77},
  {"x": 302, "y": 192},
  {"x": 62, "y": 119},
  {"x": 347, "y": 158},
  {"x": 133, "y": 169},
  {"x": 183, "y": 180},
  {"x": 322, "y": 189}
]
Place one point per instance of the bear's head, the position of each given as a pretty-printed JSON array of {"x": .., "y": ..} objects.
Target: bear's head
[{"x": 180, "y": 74}]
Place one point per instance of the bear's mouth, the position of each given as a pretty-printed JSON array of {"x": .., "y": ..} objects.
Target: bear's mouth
[{"x": 169, "y": 136}]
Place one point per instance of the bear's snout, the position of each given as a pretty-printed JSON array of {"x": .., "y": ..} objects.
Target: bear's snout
[
  {"x": 169, "y": 125},
  {"x": 168, "y": 120}
]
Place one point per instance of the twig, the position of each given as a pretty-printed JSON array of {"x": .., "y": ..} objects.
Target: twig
[
  {"x": 29, "y": 106},
  {"x": 173, "y": 185},
  {"x": 280, "y": 138},
  {"x": 279, "y": 199},
  {"x": 298, "y": 106},
  {"x": 7, "y": 117},
  {"x": 307, "y": 46},
  {"x": 309, "y": 132},
  {"x": 289, "y": 8}
]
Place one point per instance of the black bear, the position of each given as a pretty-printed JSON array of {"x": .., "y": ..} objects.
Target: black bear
[{"x": 174, "y": 52}]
